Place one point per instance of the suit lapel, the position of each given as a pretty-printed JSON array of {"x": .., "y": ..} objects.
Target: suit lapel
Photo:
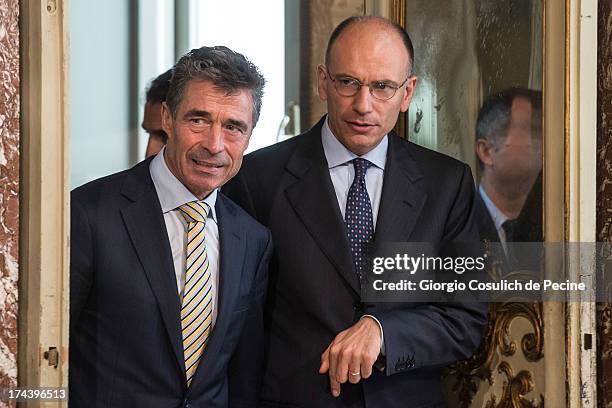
[
  {"x": 402, "y": 197},
  {"x": 232, "y": 250},
  {"x": 145, "y": 225},
  {"x": 314, "y": 200}
]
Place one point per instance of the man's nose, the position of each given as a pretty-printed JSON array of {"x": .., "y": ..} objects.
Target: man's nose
[
  {"x": 214, "y": 141},
  {"x": 362, "y": 101}
]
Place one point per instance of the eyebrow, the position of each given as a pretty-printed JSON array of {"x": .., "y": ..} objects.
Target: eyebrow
[
  {"x": 197, "y": 112},
  {"x": 202, "y": 113}
]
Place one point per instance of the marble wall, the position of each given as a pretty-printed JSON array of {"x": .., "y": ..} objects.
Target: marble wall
[
  {"x": 604, "y": 192},
  {"x": 320, "y": 19},
  {"x": 9, "y": 189}
]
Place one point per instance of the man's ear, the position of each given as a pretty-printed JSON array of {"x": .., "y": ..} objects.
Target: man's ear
[
  {"x": 322, "y": 82},
  {"x": 167, "y": 120},
  {"x": 408, "y": 88},
  {"x": 483, "y": 151}
]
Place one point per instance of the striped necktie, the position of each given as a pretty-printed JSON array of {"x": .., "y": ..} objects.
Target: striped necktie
[{"x": 196, "y": 303}]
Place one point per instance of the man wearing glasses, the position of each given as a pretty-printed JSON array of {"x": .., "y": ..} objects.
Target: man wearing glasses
[{"x": 328, "y": 194}]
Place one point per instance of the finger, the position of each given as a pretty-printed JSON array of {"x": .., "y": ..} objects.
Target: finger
[
  {"x": 354, "y": 373},
  {"x": 324, "y": 362},
  {"x": 366, "y": 368},
  {"x": 342, "y": 366},
  {"x": 333, "y": 362},
  {"x": 334, "y": 385}
]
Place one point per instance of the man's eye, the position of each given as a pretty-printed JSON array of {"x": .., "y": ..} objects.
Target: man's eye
[
  {"x": 234, "y": 128},
  {"x": 347, "y": 81},
  {"x": 381, "y": 85}
]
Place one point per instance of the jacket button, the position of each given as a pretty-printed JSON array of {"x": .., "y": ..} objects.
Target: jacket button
[{"x": 358, "y": 306}]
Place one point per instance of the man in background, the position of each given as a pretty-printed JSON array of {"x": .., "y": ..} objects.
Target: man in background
[
  {"x": 330, "y": 193},
  {"x": 509, "y": 151},
  {"x": 152, "y": 118}
]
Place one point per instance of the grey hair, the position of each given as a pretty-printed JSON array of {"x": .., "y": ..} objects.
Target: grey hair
[{"x": 226, "y": 69}]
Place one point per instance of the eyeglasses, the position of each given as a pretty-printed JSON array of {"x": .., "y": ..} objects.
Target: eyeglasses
[{"x": 381, "y": 90}]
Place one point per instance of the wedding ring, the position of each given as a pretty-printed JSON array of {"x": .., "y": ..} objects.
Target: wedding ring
[{"x": 355, "y": 373}]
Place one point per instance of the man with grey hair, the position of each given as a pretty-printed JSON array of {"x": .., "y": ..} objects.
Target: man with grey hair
[{"x": 168, "y": 276}]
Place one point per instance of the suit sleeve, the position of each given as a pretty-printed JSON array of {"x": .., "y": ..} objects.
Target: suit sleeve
[
  {"x": 81, "y": 259},
  {"x": 246, "y": 366},
  {"x": 437, "y": 334}
]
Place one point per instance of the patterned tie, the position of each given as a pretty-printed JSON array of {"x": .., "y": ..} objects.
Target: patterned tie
[
  {"x": 358, "y": 216},
  {"x": 196, "y": 304}
]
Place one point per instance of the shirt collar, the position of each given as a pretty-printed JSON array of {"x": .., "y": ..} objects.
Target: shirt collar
[
  {"x": 337, "y": 155},
  {"x": 497, "y": 216},
  {"x": 171, "y": 192}
]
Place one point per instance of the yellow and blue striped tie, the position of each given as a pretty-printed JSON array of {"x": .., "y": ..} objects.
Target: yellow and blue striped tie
[{"x": 196, "y": 303}]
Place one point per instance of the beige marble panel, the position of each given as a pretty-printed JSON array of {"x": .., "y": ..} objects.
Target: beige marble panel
[
  {"x": 9, "y": 189},
  {"x": 322, "y": 17}
]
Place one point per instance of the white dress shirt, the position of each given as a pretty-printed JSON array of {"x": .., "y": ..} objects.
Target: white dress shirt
[
  {"x": 342, "y": 173},
  {"x": 172, "y": 194},
  {"x": 497, "y": 215}
]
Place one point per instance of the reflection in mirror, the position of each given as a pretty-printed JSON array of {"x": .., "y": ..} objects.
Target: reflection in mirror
[
  {"x": 479, "y": 99},
  {"x": 464, "y": 53},
  {"x": 469, "y": 55}
]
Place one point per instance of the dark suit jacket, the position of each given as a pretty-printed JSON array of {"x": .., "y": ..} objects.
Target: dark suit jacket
[
  {"x": 314, "y": 291},
  {"x": 125, "y": 341}
]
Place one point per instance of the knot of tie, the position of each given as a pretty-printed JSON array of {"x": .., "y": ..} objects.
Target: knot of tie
[
  {"x": 361, "y": 166},
  {"x": 195, "y": 211}
]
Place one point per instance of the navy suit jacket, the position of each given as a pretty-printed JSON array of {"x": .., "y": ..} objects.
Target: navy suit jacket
[
  {"x": 314, "y": 291},
  {"x": 125, "y": 340}
]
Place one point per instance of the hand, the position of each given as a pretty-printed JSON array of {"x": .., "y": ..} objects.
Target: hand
[{"x": 354, "y": 350}]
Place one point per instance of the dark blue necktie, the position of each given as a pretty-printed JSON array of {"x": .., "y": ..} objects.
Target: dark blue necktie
[{"x": 358, "y": 216}]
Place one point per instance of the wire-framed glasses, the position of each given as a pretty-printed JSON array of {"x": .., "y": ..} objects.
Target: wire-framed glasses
[{"x": 349, "y": 86}]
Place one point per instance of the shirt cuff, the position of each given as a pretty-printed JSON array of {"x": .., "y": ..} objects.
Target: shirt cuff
[{"x": 382, "y": 334}]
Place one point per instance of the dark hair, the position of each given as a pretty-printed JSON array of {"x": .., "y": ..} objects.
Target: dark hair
[
  {"x": 226, "y": 69},
  {"x": 158, "y": 88},
  {"x": 359, "y": 19},
  {"x": 494, "y": 116}
]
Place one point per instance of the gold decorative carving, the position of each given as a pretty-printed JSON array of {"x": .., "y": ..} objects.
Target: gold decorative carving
[
  {"x": 514, "y": 390},
  {"x": 469, "y": 373}
]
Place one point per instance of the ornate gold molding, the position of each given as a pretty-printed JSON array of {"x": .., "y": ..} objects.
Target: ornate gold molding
[
  {"x": 469, "y": 373},
  {"x": 514, "y": 390}
]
